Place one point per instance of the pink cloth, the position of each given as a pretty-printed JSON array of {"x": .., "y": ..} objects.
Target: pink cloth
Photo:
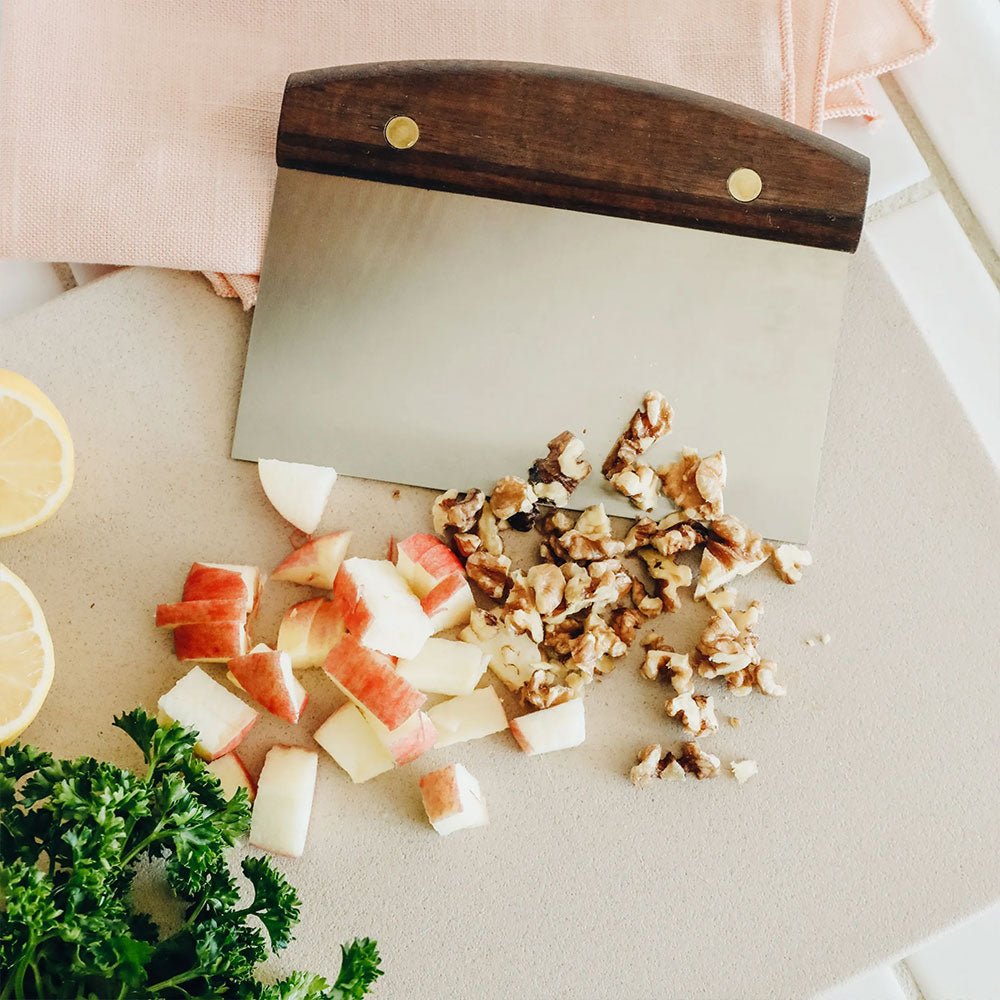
[{"x": 142, "y": 131}]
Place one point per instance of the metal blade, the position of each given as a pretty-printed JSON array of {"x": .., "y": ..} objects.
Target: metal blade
[{"x": 440, "y": 340}]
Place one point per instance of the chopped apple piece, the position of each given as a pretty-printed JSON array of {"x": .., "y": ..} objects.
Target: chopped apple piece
[
  {"x": 298, "y": 492},
  {"x": 309, "y": 630},
  {"x": 210, "y": 612},
  {"x": 453, "y": 800},
  {"x": 423, "y": 562},
  {"x": 266, "y": 675},
  {"x": 556, "y": 728},
  {"x": 370, "y": 680},
  {"x": 468, "y": 717},
  {"x": 232, "y": 775},
  {"x": 215, "y": 581},
  {"x": 445, "y": 666},
  {"x": 450, "y": 603},
  {"x": 214, "y": 713},
  {"x": 280, "y": 819},
  {"x": 406, "y": 742},
  {"x": 317, "y": 562},
  {"x": 215, "y": 643},
  {"x": 379, "y": 608},
  {"x": 352, "y": 743}
]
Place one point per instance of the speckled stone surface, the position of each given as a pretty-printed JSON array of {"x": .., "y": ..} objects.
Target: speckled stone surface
[{"x": 881, "y": 763}]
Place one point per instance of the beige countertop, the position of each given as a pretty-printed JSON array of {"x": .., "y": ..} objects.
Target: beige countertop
[{"x": 881, "y": 762}]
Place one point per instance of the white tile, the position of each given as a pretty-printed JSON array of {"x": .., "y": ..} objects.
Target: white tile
[
  {"x": 954, "y": 94},
  {"x": 84, "y": 273},
  {"x": 879, "y": 984},
  {"x": 25, "y": 284},
  {"x": 963, "y": 963},
  {"x": 896, "y": 161},
  {"x": 953, "y": 302}
]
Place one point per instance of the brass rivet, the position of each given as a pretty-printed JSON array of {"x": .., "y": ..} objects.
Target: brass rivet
[
  {"x": 744, "y": 184},
  {"x": 401, "y": 132}
]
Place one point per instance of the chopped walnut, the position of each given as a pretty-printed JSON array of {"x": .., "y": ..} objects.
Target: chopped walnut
[
  {"x": 639, "y": 484},
  {"x": 526, "y": 623},
  {"x": 729, "y": 643},
  {"x": 488, "y": 530},
  {"x": 488, "y": 573},
  {"x": 671, "y": 769},
  {"x": 595, "y": 642},
  {"x": 511, "y": 496},
  {"x": 519, "y": 597},
  {"x": 647, "y": 425},
  {"x": 601, "y": 584},
  {"x": 669, "y": 577},
  {"x": 743, "y": 770},
  {"x": 647, "y": 605},
  {"x": 826, "y": 638},
  {"x": 696, "y": 711},
  {"x": 695, "y": 484},
  {"x": 647, "y": 766},
  {"x": 465, "y": 543},
  {"x": 560, "y": 635},
  {"x": 556, "y": 476},
  {"x": 765, "y": 679},
  {"x": 656, "y": 641},
  {"x": 695, "y": 761},
  {"x": 511, "y": 657},
  {"x": 625, "y": 622},
  {"x": 457, "y": 510},
  {"x": 721, "y": 600},
  {"x": 734, "y": 721},
  {"x": 583, "y": 549},
  {"x": 543, "y": 689},
  {"x": 734, "y": 551},
  {"x": 710, "y": 478},
  {"x": 547, "y": 585},
  {"x": 788, "y": 561},
  {"x": 675, "y": 667}
]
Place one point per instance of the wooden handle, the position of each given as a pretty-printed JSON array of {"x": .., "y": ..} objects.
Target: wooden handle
[{"x": 579, "y": 140}]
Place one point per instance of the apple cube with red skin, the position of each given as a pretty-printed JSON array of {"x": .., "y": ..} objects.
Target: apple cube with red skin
[
  {"x": 558, "y": 728},
  {"x": 279, "y": 822},
  {"x": 423, "y": 561},
  {"x": 232, "y": 775},
  {"x": 468, "y": 717},
  {"x": 317, "y": 562},
  {"x": 407, "y": 742},
  {"x": 445, "y": 666},
  {"x": 309, "y": 630},
  {"x": 201, "y": 612},
  {"x": 370, "y": 680},
  {"x": 349, "y": 739},
  {"x": 219, "y": 719},
  {"x": 266, "y": 675},
  {"x": 379, "y": 608},
  {"x": 453, "y": 800},
  {"x": 450, "y": 603},
  {"x": 215, "y": 643},
  {"x": 221, "y": 581}
]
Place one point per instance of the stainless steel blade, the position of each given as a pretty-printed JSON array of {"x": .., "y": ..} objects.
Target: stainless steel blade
[{"x": 440, "y": 340}]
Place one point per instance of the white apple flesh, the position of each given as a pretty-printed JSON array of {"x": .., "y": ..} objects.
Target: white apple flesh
[
  {"x": 379, "y": 608},
  {"x": 423, "y": 562},
  {"x": 309, "y": 630},
  {"x": 370, "y": 680},
  {"x": 298, "y": 492},
  {"x": 408, "y": 741},
  {"x": 449, "y": 604},
  {"x": 453, "y": 800},
  {"x": 444, "y": 666},
  {"x": 218, "y": 717},
  {"x": 316, "y": 563},
  {"x": 280, "y": 819},
  {"x": 352, "y": 743},
  {"x": 266, "y": 675},
  {"x": 558, "y": 728},
  {"x": 232, "y": 775},
  {"x": 468, "y": 717}
]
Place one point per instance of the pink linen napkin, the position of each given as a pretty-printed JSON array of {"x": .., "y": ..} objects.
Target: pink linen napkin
[{"x": 142, "y": 131}]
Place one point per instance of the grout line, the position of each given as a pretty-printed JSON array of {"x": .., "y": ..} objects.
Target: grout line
[
  {"x": 906, "y": 981},
  {"x": 949, "y": 189}
]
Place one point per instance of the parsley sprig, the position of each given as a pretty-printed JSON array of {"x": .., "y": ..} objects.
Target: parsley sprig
[{"x": 72, "y": 834}]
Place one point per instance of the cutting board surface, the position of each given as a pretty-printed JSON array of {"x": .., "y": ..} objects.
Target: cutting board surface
[{"x": 869, "y": 825}]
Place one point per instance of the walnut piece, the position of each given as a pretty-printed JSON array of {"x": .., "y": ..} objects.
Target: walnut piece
[
  {"x": 543, "y": 689},
  {"x": 647, "y": 605},
  {"x": 721, "y": 600},
  {"x": 596, "y": 641},
  {"x": 556, "y": 476},
  {"x": 639, "y": 484},
  {"x": 465, "y": 543},
  {"x": 696, "y": 711},
  {"x": 560, "y": 635},
  {"x": 547, "y": 584},
  {"x": 457, "y": 510},
  {"x": 729, "y": 643},
  {"x": 647, "y": 765},
  {"x": 743, "y": 770},
  {"x": 695, "y": 484},
  {"x": 488, "y": 530},
  {"x": 488, "y": 573},
  {"x": 511, "y": 657},
  {"x": 625, "y": 622},
  {"x": 668, "y": 575},
  {"x": 675, "y": 667},
  {"x": 511, "y": 496},
  {"x": 647, "y": 425},
  {"x": 695, "y": 761},
  {"x": 735, "y": 550},
  {"x": 599, "y": 585},
  {"x": 789, "y": 560},
  {"x": 671, "y": 769}
]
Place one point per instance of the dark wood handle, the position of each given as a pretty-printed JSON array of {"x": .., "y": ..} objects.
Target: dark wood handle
[{"x": 574, "y": 139}]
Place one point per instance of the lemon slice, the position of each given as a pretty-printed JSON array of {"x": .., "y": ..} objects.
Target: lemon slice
[
  {"x": 36, "y": 455},
  {"x": 27, "y": 661}
]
